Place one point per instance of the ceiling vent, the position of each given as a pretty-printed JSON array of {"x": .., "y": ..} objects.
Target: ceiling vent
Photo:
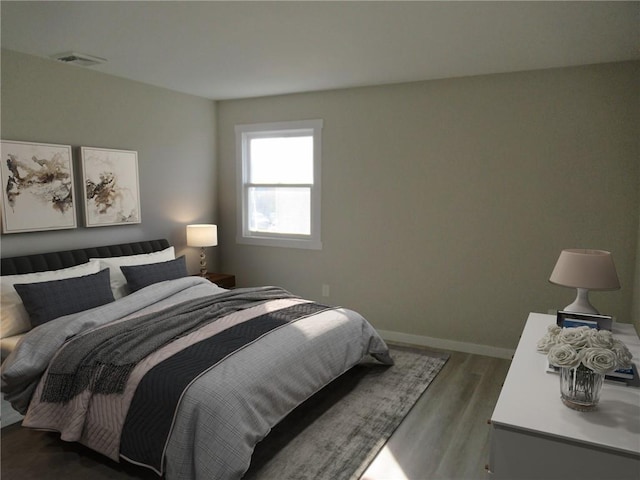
[{"x": 80, "y": 59}]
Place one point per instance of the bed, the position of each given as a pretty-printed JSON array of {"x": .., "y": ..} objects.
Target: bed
[{"x": 144, "y": 363}]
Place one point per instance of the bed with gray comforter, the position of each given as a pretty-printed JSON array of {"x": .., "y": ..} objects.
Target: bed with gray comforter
[{"x": 183, "y": 377}]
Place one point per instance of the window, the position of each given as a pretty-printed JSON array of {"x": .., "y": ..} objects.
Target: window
[{"x": 279, "y": 184}]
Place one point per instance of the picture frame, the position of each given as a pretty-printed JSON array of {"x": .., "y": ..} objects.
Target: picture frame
[
  {"x": 38, "y": 192},
  {"x": 575, "y": 319},
  {"x": 110, "y": 186}
]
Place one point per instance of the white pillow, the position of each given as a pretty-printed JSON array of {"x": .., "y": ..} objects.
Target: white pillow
[
  {"x": 14, "y": 319},
  {"x": 118, "y": 282}
]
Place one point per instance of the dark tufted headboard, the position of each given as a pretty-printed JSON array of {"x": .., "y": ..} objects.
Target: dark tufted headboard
[{"x": 42, "y": 262}]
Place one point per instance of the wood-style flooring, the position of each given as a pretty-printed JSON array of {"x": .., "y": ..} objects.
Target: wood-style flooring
[{"x": 444, "y": 436}]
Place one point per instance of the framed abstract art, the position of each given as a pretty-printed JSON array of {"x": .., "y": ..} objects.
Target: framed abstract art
[
  {"x": 37, "y": 187},
  {"x": 110, "y": 186}
]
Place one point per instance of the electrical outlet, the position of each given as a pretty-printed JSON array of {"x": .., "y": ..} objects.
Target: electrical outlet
[{"x": 325, "y": 290}]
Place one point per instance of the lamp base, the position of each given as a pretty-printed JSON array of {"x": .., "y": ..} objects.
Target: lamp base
[
  {"x": 203, "y": 263},
  {"x": 581, "y": 304}
]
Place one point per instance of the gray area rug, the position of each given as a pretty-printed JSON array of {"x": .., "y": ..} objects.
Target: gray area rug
[{"x": 337, "y": 433}]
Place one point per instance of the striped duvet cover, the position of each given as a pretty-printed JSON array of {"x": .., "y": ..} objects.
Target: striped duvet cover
[{"x": 196, "y": 407}]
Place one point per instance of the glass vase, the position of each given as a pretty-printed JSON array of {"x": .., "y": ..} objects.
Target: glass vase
[{"x": 580, "y": 387}]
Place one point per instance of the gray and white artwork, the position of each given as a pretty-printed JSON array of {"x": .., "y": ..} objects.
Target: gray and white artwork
[
  {"x": 110, "y": 186},
  {"x": 37, "y": 187}
]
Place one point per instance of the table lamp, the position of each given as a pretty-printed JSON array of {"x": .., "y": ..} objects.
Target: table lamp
[
  {"x": 585, "y": 270},
  {"x": 202, "y": 235}
]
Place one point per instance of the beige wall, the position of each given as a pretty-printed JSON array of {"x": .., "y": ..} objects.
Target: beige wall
[
  {"x": 636, "y": 285},
  {"x": 446, "y": 203},
  {"x": 174, "y": 135}
]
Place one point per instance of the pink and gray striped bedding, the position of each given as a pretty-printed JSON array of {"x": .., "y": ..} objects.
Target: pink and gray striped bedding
[{"x": 223, "y": 369}]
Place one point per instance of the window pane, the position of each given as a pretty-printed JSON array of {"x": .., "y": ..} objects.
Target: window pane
[
  {"x": 281, "y": 160},
  {"x": 280, "y": 210}
]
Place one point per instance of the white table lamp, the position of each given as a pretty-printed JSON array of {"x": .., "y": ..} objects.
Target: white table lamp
[
  {"x": 585, "y": 270},
  {"x": 202, "y": 235}
]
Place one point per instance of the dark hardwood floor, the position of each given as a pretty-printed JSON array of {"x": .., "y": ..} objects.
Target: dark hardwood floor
[{"x": 445, "y": 436}]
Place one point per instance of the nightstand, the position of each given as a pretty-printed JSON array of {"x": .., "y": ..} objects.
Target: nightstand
[{"x": 222, "y": 279}]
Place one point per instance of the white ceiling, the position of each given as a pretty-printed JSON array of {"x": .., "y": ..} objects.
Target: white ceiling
[{"x": 223, "y": 50}]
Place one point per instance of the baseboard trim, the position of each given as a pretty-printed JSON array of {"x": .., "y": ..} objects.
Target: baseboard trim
[{"x": 447, "y": 344}]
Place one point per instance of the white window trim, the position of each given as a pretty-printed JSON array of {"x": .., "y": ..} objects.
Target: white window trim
[{"x": 246, "y": 237}]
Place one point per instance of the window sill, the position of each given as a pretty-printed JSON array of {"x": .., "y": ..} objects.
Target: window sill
[{"x": 280, "y": 242}]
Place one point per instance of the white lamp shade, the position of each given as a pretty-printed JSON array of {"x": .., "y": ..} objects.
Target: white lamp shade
[
  {"x": 202, "y": 235},
  {"x": 588, "y": 269}
]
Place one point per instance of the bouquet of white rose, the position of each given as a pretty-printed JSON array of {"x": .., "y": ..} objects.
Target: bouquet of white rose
[
  {"x": 585, "y": 355},
  {"x": 595, "y": 349}
]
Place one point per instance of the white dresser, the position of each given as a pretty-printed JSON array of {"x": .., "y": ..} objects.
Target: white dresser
[{"x": 534, "y": 435}]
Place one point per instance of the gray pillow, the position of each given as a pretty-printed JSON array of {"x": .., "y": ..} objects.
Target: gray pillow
[
  {"x": 45, "y": 301},
  {"x": 140, "y": 276}
]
